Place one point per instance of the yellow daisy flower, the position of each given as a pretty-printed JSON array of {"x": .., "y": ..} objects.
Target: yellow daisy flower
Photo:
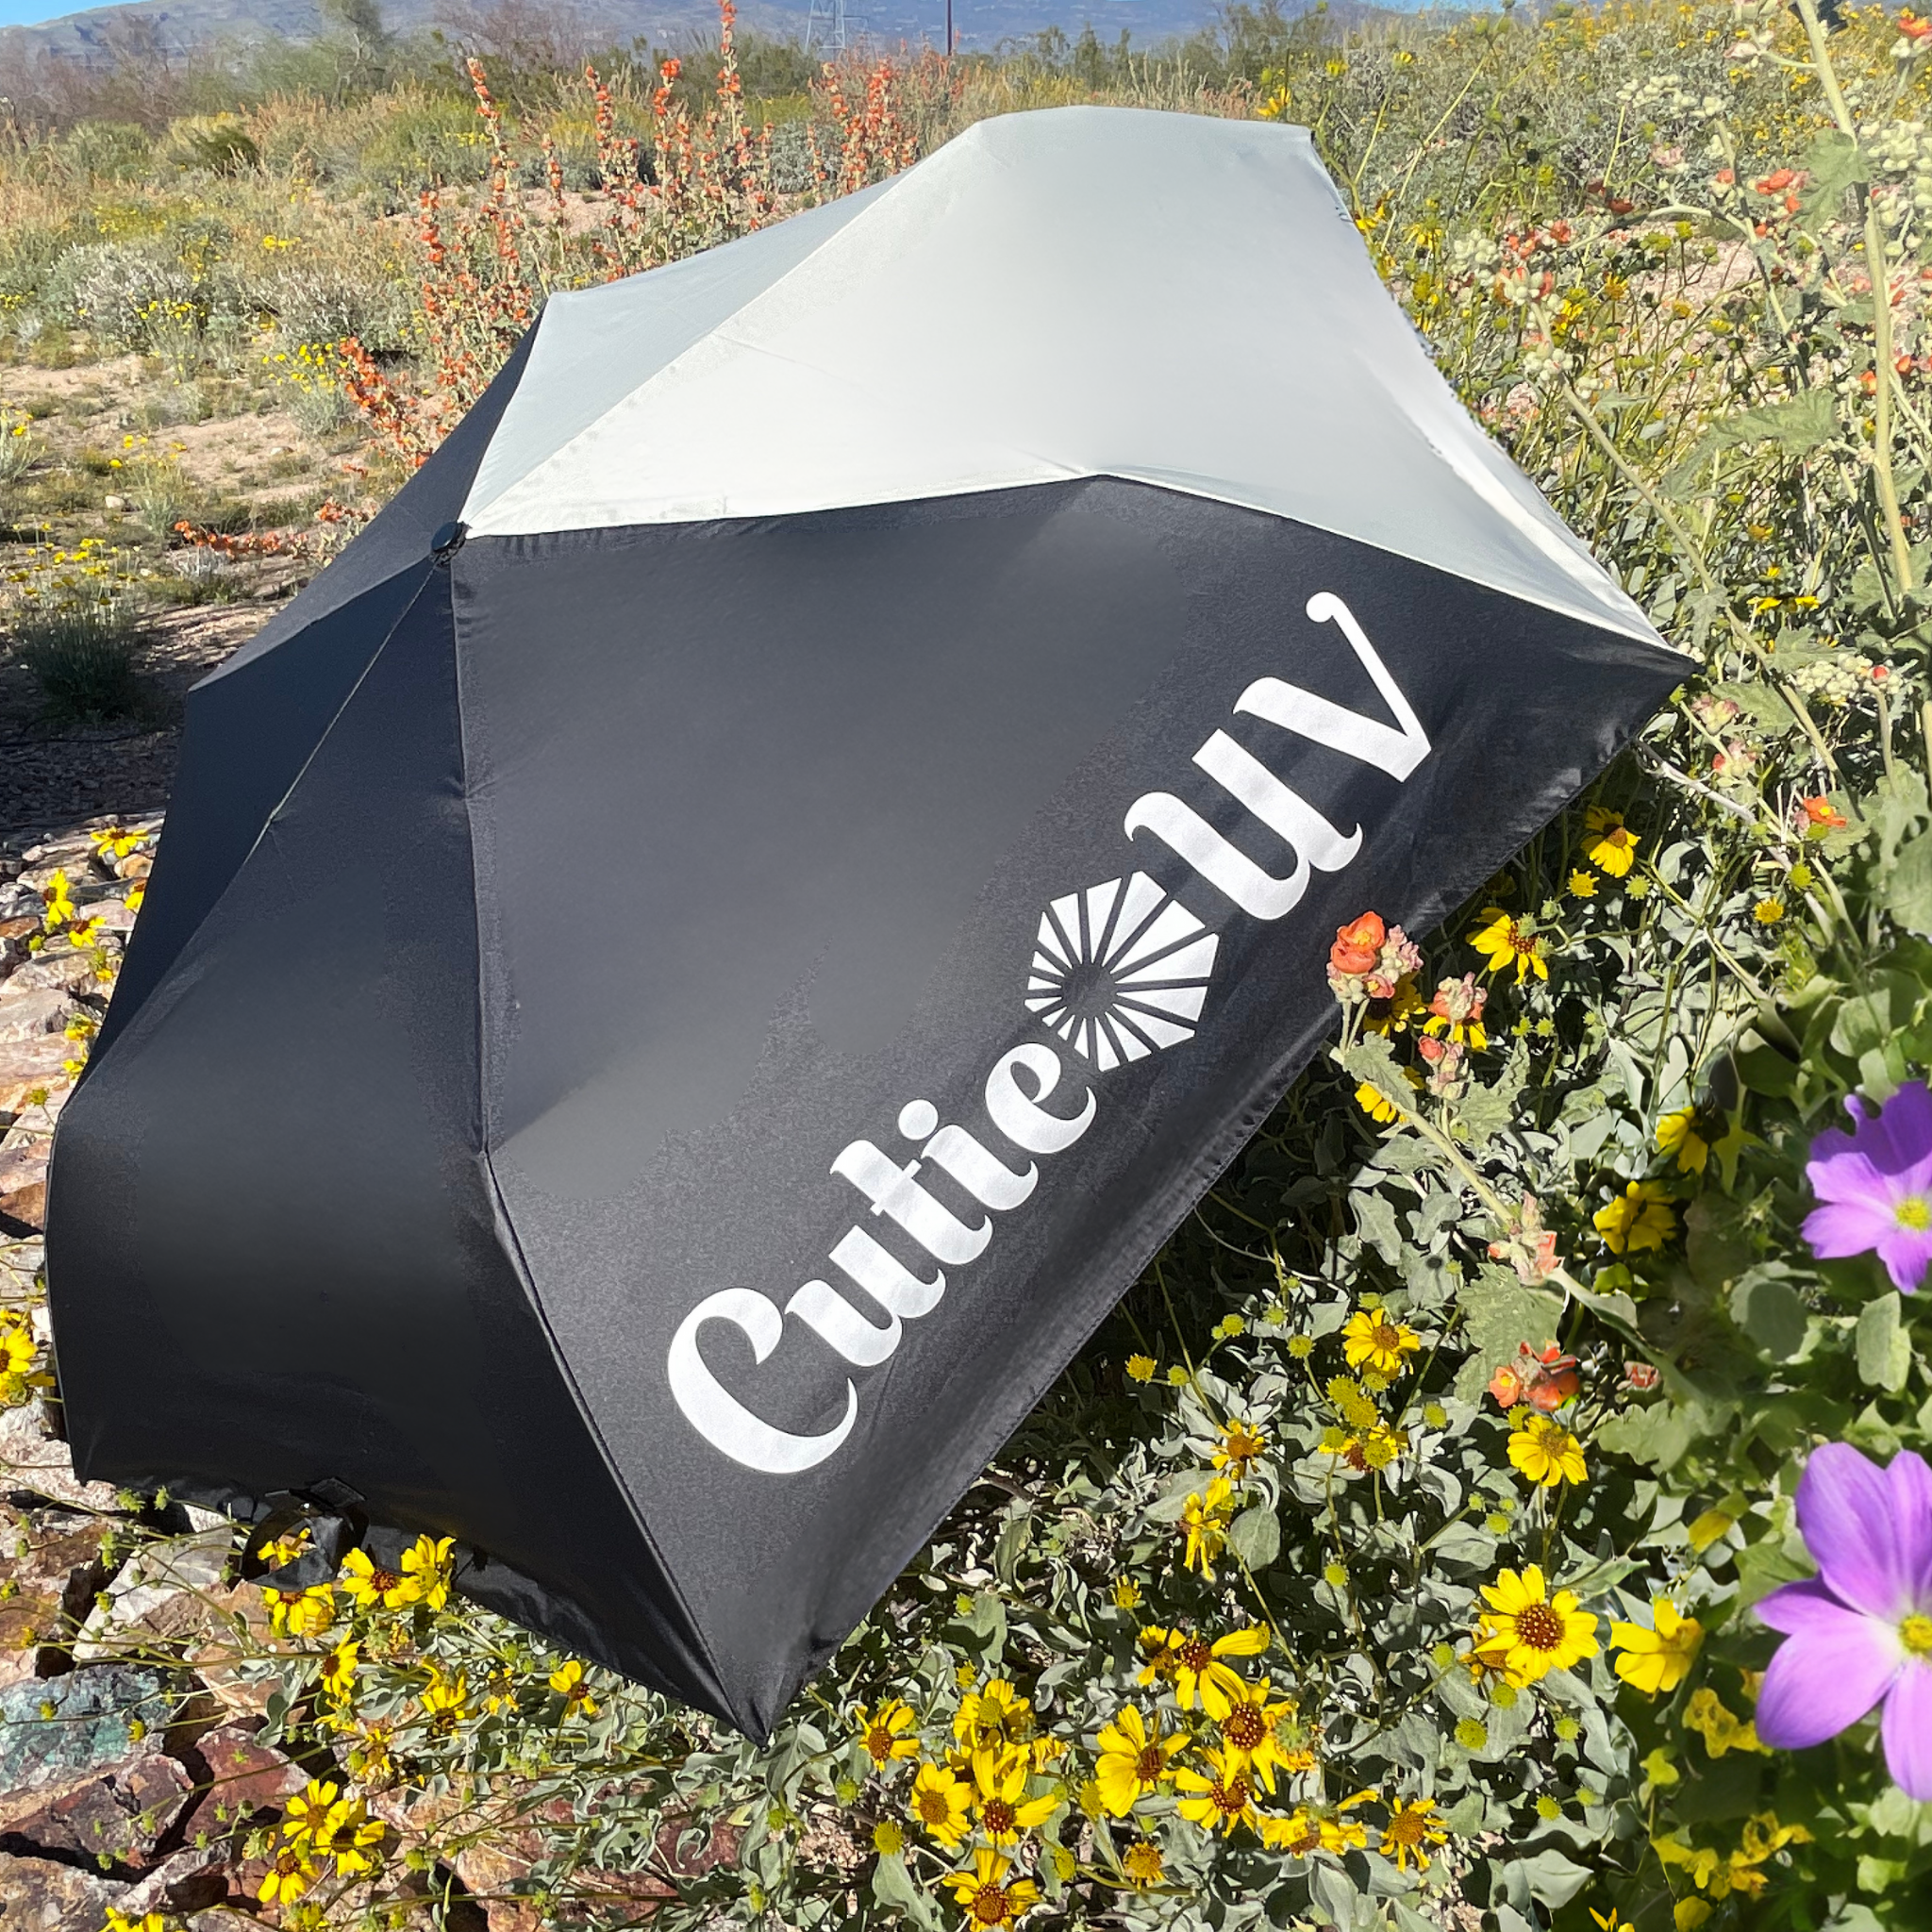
[
  {"x": 1204, "y": 1524},
  {"x": 941, "y": 1803},
  {"x": 991, "y": 1719},
  {"x": 1142, "y": 1367},
  {"x": 1530, "y": 1633},
  {"x": 1583, "y": 884},
  {"x": 988, "y": 1894},
  {"x": 1242, "y": 1445},
  {"x": 1250, "y": 1733},
  {"x": 881, "y": 1734},
  {"x": 1194, "y": 1664},
  {"x": 288, "y": 1878},
  {"x": 1412, "y": 1827},
  {"x": 1687, "y": 1135},
  {"x": 1133, "y": 1760},
  {"x": 1507, "y": 942},
  {"x": 1000, "y": 1787},
  {"x": 567, "y": 1680},
  {"x": 426, "y": 1567},
  {"x": 339, "y": 1668},
  {"x": 1659, "y": 1658},
  {"x": 1218, "y": 1798},
  {"x": 1143, "y": 1863},
  {"x": 1375, "y": 1339},
  {"x": 346, "y": 1835},
  {"x": 1544, "y": 1451},
  {"x": 307, "y": 1811},
  {"x": 1638, "y": 1218},
  {"x": 368, "y": 1585},
  {"x": 1614, "y": 848}
]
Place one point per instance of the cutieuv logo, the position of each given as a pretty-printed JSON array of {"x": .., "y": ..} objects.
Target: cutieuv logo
[{"x": 1120, "y": 971}]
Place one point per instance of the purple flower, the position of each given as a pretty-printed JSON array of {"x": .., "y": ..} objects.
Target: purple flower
[
  {"x": 1859, "y": 1633},
  {"x": 1876, "y": 1184}
]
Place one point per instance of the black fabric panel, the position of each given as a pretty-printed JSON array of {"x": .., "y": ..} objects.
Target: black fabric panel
[
  {"x": 835, "y": 768},
  {"x": 275, "y": 1250},
  {"x": 253, "y": 721}
]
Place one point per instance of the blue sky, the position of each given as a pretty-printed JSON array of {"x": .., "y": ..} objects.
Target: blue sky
[{"x": 20, "y": 12}]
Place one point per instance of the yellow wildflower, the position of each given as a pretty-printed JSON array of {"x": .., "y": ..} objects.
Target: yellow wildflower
[
  {"x": 1250, "y": 1733},
  {"x": 1000, "y": 1786},
  {"x": 1242, "y": 1445},
  {"x": 1527, "y": 1632},
  {"x": 1583, "y": 884},
  {"x": 339, "y": 1668},
  {"x": 991, "y": 1719},
  {"x": 1768, "y": 911},
  {"x": 1194, "y": 1663},
  {"x": 989, "y": 1895},
  {"x": 1637, "y": 1219},
  {"x": 56, "y": 897},
  {"x": 307, "y": 1811},
  {"x": 1218, "y": 1798},
  {"x": 1660, "y": 1658},
  {"x": 426, "y": 1566},
  {"x": 1687, "y": 1135},
  {"x": 446, "y": 1702},
  {"x": 1127, "y": 1594},
  {"x": 1544, "y": 1451},
  {"x": 1614, "y": 848},
  {"x": 881, "y": 1734},
  {"x": 887, "y": 1840},
  {"x": 288, "y": 1878},
  {"x": 1204, "y": 1524},
  {"x": 1140, "y": 1368},
  {"x": 347, "y": 1834},
  {"x": 1377, "y": 1338},
  {"x": 1412, "y": 1827},
  {"x": 1143, "y": 1863},
  {"x": 567, "y": 1680},
  {"x": 368, "y": 1585},
  {"x": 302, "y": 1612},
  {"x": 941, "y": 1803},
  {"x": 1506, "y": 942},
  {"x": 1133, "y": 1760}
]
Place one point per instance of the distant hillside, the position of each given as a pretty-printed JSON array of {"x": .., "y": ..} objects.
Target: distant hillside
[{"x": 178, "y": 28}]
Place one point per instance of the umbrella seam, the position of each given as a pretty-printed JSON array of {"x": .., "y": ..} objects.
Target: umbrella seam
[{"x": 513, "y": 1245}]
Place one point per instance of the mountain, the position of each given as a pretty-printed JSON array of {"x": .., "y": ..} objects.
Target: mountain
[{"x": 175, "y": 28}]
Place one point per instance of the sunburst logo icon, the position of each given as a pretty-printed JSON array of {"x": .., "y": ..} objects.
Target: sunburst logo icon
[{"x": 1120, "y": 971}]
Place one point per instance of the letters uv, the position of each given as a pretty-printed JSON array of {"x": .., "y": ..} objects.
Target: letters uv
[{"x": 866, "y": 1333}]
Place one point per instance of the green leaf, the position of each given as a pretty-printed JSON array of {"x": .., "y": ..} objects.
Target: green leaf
[
  {"x": 892, "y": 1885},
  {"x": 1907, "y": 891},
  {"x": 1884, "y": 1350},
  {"x": 1255, "y": 1536},
  {"x": 1832, "y": 164},
  {"x": 1375, "y": 1219},
  {"x": 1485, "y": 1111},
  {"x": 1760, "y": 703},
  {"x": 1798, "y": 422},
  {"x": 1370, "y": 1061},
  {"x": 1550, "y": 1878},
  {"x": 1771, "y": 1313}
]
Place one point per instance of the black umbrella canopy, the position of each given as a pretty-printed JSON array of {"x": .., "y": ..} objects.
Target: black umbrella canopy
[{"x": 687, "y": 971}]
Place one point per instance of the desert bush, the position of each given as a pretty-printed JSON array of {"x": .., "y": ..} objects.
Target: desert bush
[{"x": 70, "y": 621}]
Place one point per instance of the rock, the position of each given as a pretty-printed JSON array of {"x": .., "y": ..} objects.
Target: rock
[
  {"x": 84, "y": 1723},
  {"x": 21, "y": 926},
  {"x": 137, "y": 865},
  {"x": 114, "y": 502},
  {"x": 23, "y": 1184},
  {"x": 191, "y": 1880},
  {"x": 121, "y": 1812},
  {"x": 54, "y": 1577},
  {"x": 110, "y": 914},
  {"x": 36, "y": 1462},
  {"x": 59, "y": 965},
  {"x": 27, "y": 1011},
  {"x": 37, "y": 1896},
  {"x": 30, "y": 1066},
  {"x": 164, "y": 1577},
  {"x": 242, "y": 1777}
]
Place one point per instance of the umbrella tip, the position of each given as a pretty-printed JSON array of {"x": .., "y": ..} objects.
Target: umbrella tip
[{"x": 447, "y": 541}]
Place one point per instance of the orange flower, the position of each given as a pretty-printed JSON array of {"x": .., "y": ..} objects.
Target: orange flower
[
  {"x": 1816, "y": 816},
  {"x": 1358, "y": 944},
  {"x": 1776, "y": 182},
  {"x": 1913, "y": 26}
]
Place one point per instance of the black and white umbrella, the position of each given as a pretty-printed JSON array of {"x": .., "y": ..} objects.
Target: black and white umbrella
[{"x": 689, "y": 970}]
